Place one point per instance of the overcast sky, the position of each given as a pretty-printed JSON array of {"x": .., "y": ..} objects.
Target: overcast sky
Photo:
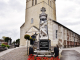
[{"x": 12, "y": 16}]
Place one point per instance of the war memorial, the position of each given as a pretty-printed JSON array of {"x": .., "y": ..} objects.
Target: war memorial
[
  {"x": 58, "y": 34},
  {"x": 40, "y": 21},
  {"x": 43, "y": 50}
]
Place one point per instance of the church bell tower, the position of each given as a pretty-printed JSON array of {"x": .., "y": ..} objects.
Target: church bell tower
[
  {"x": 33, "y": 8},
  {"x": 32, "y": 13}
]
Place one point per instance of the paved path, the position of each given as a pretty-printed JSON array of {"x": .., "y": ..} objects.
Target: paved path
[
  {"x": 15, "y": 54},
  {"x": 70, "y": 55}
]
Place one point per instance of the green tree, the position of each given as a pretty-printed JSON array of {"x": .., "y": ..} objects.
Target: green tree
[
  {"x": 18, "y": 41},
  {"x": 7, "y": 39}
]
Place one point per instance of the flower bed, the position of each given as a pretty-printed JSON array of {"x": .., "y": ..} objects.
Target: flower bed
[{"x": 32, "y": 57}]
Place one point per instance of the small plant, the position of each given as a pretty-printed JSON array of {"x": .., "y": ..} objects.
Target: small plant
[
  {"x": 27, "y": 36},
  {"x": 30, "y": 38},
  {"x": 3, "y": 45},
  {"x": 7, "y": 46},
  {"x": 33, "y": 39}
]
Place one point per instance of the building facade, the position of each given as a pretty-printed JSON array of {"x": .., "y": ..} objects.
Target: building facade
[
  {"x": 32, "y": 12},
  {"x": 58, "y": 34},
  {"x": 62, "y": 36}
]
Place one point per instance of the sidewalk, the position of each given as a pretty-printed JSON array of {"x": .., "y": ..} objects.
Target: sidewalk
[
  {"x": 74, "y": 48},
  {"x": 6, "y": 51},
  {"x": 19, "y": 53}
]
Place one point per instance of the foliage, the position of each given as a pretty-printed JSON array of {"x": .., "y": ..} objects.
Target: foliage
[
  {"x": 14, "y": 42},
  {"x": 30, "y": 38},
  {"x": 27, "y": 37},
  {"x": 33, "y": 39},
  {"x": 7, "y": 46},
  {"x": 7, "y": 39},
  {"x": 18, "y": 41},
  {"x": 3, "y": 45},
  {"x": 3, "y": 37}
]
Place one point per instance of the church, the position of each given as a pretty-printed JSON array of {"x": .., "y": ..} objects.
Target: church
[{"x": 58, "y": 33}]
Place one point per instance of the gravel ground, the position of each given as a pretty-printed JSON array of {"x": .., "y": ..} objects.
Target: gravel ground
[{"x": 16, "y": 54}]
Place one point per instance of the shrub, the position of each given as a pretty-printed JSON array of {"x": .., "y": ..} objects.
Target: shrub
[
  {"x": 7, "y": 46},
  {"x": 30, "y": 38},
  {"x": 33, "y": 39},
  {"x": 3, "y": 45},
  {"x": 27, "y": 36}
]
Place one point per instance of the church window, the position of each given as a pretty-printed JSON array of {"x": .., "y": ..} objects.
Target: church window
[
  {"x": 31, "y": 20},
  {"x": 35, "y": 2},
  {"x": 74, "y": 41},
  {"x": 56, "y": 34},
  {"x": 32, "y": 2}
]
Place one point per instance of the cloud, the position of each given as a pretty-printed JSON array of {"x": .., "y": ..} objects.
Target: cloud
[
  {"x": 14, "y": 34},
  {"x": 12, "y": 16},
  {"x": 68, "y": 13}
]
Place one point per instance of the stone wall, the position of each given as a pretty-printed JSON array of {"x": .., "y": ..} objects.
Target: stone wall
[{"x": 65, "y": 36}]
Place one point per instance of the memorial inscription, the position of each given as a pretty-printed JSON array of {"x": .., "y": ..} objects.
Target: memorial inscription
[{"x": 44, "y": 44}]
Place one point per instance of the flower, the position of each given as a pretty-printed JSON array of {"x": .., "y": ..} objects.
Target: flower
[{"x": 32, "y": 57}]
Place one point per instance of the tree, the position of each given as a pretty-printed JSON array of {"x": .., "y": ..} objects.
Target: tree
[
  {"x": 8, "y": 39},
  {"x": 14, "y": 42},
  {"x": 3, "y": 37},
  {"x": 18, "y": 41}
]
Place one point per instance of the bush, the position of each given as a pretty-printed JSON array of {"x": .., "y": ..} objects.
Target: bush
[
  {"x": 7, "y": 46},
  {"x": 33, "y": 39},
  {"x": 27, "y": 36},
  {"x": 3, "y": 45}
]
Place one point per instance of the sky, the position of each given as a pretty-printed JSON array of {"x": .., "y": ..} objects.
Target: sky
[{"x": 12, "y": 16}]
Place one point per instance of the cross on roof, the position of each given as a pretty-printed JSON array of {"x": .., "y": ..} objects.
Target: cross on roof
[{"x": 43, "y": 9}]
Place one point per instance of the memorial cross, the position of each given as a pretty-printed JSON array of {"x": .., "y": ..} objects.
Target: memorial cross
[{"x": 43, "y": 9}]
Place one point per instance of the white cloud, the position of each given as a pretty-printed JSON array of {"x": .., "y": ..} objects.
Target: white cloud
[
  {"x": 12, "y": 16},
  {"x": 68, "y": 13}
]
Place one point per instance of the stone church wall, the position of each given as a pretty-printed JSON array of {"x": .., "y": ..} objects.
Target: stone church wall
[{"x": 65, "y": 36}]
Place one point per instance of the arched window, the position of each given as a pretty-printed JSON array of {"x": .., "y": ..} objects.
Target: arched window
[
  {"x": 32, "y": 2},
  {"x": 35, "y": 2},
  {"x": 31, "y": 20}
]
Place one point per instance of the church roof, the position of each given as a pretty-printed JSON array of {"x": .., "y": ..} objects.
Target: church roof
[
  {"x": 36, "y": 27},
  {"x": 22, "y": 24},
  {"x": 33, "y": 28}
]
